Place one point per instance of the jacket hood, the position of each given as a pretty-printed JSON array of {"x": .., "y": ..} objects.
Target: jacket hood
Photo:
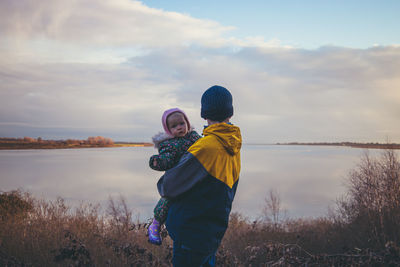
[
  {"x": 159, "y": 138},
  {"x": 227, "y": 134},
  {"x": 162, "y": 136}
]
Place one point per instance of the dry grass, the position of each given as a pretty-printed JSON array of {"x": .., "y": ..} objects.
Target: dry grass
[
  {"x": 363, "y": 231},
  {"x": 44, "y": 233}
]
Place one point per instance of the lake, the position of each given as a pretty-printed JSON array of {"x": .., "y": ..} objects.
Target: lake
[{"x": 308, "y": 179}]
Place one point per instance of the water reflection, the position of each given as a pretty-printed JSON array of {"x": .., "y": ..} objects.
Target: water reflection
[{"x": 308, "y": 179}]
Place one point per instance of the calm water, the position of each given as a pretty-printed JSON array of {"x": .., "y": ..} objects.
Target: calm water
[{"x": 307, "y": 178}]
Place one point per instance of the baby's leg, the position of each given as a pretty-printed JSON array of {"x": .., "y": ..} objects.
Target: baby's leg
[
  {"x": 161, "y": 210},
  {"x": 160, "y": 216}
]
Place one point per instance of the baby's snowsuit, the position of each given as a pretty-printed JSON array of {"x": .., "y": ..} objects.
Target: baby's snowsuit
[{"x": 170, "y": 150}]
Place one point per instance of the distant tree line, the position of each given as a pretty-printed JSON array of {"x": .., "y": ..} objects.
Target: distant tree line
[
  {"x": 349, "y": 144},
  {"x": 29, "y": 142}
]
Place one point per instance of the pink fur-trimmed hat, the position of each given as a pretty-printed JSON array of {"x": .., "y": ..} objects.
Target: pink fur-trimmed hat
[{"x": 169, "y": 112}]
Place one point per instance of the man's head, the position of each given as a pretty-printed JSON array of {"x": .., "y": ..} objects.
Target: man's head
[{"x": 216, "y": 104}]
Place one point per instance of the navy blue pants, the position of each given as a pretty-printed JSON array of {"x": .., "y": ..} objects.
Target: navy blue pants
[{"x": 185, "y": 257}]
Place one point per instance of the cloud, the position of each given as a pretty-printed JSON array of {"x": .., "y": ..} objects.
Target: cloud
[
  {"x": 109, "y": 22},
  {"x": 92, "y": 31},
  {"x": 77, "y": 95},
  {"x": 280, "y": 95},
  {"x": 289, "y": 94},
  {"x": 77, "y": 68}
]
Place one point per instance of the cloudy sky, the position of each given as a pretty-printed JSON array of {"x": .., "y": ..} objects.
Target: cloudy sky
[{"x": 298, "y": 70}]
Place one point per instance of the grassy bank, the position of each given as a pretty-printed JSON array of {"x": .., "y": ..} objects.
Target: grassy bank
[
  {"x": 363, "y": 230},
  {"x": 91, "y": 142}
]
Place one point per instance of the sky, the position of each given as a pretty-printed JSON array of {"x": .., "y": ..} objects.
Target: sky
[{"x": 305, "y": 71}]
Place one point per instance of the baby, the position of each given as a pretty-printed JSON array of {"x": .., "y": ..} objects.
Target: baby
[{"x": 171, "y": 144}]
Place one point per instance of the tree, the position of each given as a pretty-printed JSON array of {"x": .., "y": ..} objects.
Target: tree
[{"x": 272, "y": 210}]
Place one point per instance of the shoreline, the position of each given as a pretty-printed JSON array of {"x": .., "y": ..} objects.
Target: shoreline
[
  {"x": 346, "y": 144},
  {"x": 30, "y": 146},
  {"x": 15, "y": 144}
]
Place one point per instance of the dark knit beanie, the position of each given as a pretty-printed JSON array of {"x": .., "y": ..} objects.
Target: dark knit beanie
[{"x": 216, "y": 104}]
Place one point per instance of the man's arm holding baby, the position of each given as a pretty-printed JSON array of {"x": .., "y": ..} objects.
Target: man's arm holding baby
[
  {"x": 182, "y": 177},
  {"x": 188, "y": 172}
]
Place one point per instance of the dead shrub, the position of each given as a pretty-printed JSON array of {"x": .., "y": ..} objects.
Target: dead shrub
[{"x": 370, "y": 211}]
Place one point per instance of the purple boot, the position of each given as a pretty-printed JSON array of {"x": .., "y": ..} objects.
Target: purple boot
[{"x": 154, "y": 233}]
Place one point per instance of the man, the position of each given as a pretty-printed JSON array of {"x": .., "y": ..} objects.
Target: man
[{"x": 203, "y": 184}]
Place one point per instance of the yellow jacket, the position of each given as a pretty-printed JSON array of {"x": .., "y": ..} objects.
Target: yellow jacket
[{"x": 202, "y": 187}]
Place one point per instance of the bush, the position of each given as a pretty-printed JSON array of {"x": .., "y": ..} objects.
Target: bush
[
  {"x": 14, "y": 203},
  {"x": 370, "y": 211}
]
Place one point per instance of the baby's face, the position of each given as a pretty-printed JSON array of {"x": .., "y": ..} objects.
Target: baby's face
[{"x": 177, "y": 124}]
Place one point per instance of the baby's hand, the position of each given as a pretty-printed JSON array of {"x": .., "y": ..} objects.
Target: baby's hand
[{"x": 154, "y": 162}]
